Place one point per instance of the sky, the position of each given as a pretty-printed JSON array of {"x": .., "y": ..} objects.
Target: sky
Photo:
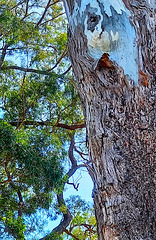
[{"x": 85, "y": 187}]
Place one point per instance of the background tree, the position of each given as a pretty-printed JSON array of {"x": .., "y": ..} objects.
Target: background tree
[
  {"x": 83, "y": 224},
  {"x": 111, "y": 46},
  {"x": 40, "y": 117}
]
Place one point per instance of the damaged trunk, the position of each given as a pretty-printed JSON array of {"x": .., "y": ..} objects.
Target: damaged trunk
[{"x": 111, "y": 46}]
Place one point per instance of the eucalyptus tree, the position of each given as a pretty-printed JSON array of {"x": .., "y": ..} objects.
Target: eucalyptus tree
[{"x": 112, "y": 50}]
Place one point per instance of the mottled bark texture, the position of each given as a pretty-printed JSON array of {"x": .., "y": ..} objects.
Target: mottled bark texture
[{"x": 119, "y": 110}]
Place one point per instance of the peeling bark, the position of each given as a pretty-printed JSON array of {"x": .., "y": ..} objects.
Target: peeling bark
[{"x": 119, "y": 108}]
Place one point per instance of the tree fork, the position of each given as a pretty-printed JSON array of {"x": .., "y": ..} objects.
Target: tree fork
[{"x": 111, "y": 46}]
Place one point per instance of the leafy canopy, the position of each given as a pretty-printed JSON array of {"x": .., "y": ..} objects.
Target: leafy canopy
[{"x": 38, "y": 103}]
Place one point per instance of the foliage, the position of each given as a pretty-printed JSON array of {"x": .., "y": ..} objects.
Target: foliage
[
  {"x": 37, "y": 93},
  {"x": 83, "y": 224},
  {"x": 28, "y": 174}
]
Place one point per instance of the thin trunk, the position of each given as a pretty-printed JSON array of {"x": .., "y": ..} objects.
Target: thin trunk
[{"x": 111, "y": 46}]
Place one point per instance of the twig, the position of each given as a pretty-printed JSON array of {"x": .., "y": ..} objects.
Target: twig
[
  {"x": 63, "y": 74},
  {"x": 49, "y": 20},
  {"x": 70, "y": 234},
  {"x": 44, "y": 13},
  {"x": 26, "y": 10},
  {"x": 76, "y": 186},
  {"x": 62, "y": 56}
]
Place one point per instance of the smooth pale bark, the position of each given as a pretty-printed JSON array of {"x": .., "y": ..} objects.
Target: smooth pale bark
[{"x": 117, "y": 93}]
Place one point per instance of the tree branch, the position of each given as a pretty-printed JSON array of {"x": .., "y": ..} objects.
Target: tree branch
[
  {"x": 45, "y": 123},
  {"x": 71, "y": 152},
  {"x": 23, "y": 101},
  {"x": 87, "y": 226},
  {"x": 43, "y": 72},
  {"x": 26, "y": 10},
  {"x": 67, "y": 217},
  {"x": 32, "y": 70},
  {"x": 70, "y": 234},
  {"x": 20, "y": 204},
  {"x": 73, "y": 161},
  {"x": 6, "y": 181},
  {"x": 74, "y": 169},
  {"x": 21, "y": 2},
  {"x": 76, "y": 186},
  {"x": 81, "y": 154},
  {"x": 63, "y": 224},
  {"x": 63, "y": 74},
  {"x": 49, "y": 20},
  {"x": 44, "y": 13},
  {"x": 55, "y": 2},
  {"x": 62, "y": 56},
  {"x": 4, "y": 49}
]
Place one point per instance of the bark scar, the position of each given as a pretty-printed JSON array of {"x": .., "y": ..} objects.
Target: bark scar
[
  {"x": 143, "y": 79},
  {"x": 105, "y": 62},
  {"x": 92, "y": 21}
]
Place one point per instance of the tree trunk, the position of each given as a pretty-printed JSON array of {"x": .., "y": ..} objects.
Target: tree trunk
[{"x": 111, "y": 46}]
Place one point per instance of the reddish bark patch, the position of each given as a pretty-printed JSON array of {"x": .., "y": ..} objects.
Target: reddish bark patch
[
  {"x": 143, "y": 80},
  {"x": 105, "y": 62},
  {"x": 126, "y": 3}
]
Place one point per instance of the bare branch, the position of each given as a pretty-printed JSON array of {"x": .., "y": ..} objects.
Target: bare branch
[
  {"x": 73, "y": 161},
  {"x": 76, "y": 186},
  {"x": 74, "y": 169},
  {"x": 89, "y": 227}
]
